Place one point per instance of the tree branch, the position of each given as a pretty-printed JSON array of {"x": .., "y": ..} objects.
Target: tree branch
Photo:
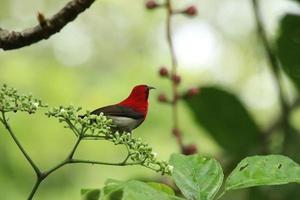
[{"x": 17, "y": 39}]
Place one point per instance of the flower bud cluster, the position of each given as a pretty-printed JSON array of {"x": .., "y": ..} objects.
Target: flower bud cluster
[
  {"x": 90, "y": 126},
  {"x": 86, "y": 125},
  {"x": 190, "y": 11},
  {"x": 12, "y": 101},
  {"x": 140, "y": 152}
]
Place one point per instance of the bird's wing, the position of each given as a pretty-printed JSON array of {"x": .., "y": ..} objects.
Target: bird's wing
[{"x": 116, "y": 110}]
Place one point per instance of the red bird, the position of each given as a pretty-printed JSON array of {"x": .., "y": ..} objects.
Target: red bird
[{"x": 129, "y": 113}]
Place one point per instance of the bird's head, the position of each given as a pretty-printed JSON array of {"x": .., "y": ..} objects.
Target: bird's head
[
  {"x": 140, "y": 92},
  {"x": 138, "y": 98}
]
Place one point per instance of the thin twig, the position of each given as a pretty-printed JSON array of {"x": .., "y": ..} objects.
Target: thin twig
[
  {"x": 72, "y": 127},
  {"x": 13, "y": 39},
  {"x": 28, "y": 158},
  {"x": 270, "y": 55},
  {"x": 35, "y": 187},
  {"x": 275, "y": 68},
  {"x": 75, "y": 147}
]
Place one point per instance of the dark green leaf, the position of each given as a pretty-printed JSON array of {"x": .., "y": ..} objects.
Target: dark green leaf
[
  {"x": 198, "y": 177},
  {"x": 288, "y": 47},
  {"x": 263, "y": 170},
  {"x": 225, "y": 118},
  {"x": 90, "y": 194},
  {"x": 113, "y": 189},
  {"x": 112, "y": 185}
]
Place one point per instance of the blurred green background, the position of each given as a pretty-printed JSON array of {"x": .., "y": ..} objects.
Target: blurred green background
[{"x": 98, "y": 58}]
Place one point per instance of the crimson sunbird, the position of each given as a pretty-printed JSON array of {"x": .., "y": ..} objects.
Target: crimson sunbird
[{"x": 129, "y": 113}]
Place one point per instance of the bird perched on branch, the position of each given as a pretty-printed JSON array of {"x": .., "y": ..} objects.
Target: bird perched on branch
[{"x": 129, "y": 113}]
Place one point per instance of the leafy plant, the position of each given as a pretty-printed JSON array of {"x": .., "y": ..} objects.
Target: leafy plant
[
  {"x": 84, "y": 127},
  {"x": 200, "y": 178}
]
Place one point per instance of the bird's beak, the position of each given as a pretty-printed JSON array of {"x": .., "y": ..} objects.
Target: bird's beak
[{"x": 150, "y": 88}]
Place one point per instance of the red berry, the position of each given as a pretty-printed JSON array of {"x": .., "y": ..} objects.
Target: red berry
[
  {"x": 189, "y": 149},
  {"x": 192, "y": 92},
  {"x": 163, "y": 71},
  {"x": 191, "y": 11},
  {"x": 151, "y": 4},
  {"x": 162, "y": 98},
  {"x": 176, "y": 79}
]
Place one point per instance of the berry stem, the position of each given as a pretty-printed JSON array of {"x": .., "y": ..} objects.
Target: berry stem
[{"x": 174, "y": 66}]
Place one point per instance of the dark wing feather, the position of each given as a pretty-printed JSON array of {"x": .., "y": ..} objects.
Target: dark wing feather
[{"x": 116, "y": 110}]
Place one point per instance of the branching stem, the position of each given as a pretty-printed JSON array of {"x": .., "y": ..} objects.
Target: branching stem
[
  {"x": 28, "y": 158},
  {"x": 42, "y": 175},
  {"x": 174, "y": 66}
]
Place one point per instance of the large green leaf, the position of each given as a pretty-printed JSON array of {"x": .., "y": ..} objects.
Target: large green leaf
[
  {"x": 90, "y": 194},
  {"x": 137, "y": 190},
  {"x": 198, "y": 177},
  {"x": 263, "y": 170},
  {"x": 225, "y": 118},
  {"x": 288, "y": 47}
]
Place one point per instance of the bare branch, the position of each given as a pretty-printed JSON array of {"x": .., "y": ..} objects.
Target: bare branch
[{"x": 17, "y": 39}]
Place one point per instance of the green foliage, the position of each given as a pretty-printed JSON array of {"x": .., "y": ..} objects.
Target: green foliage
[
  {"x": 90, "y": 194},
  {"x": 162, "y": 187},
  {"x": 198, "y": 177},
  {"x": 288, "y": 47},
  {"x": 137, "y": 190},
  {"x": 263, "y": 170},
  {"x": 84, "y": 127},
  {"x": 225, "y": 118},
  {"x": 99, "y": 127},
  {"x": 11, "y": 100}
]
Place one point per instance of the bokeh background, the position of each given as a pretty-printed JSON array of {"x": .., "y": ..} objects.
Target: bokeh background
[{"x": 98, "y": 58}]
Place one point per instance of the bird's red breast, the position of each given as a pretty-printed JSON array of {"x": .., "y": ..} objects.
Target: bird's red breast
[
  {"x": 131, "y": 112},
  {"x": 138, "y": 99}
]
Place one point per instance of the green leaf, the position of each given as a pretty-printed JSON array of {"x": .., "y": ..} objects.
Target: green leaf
[
  {"x": 197, "y": 177},
  {"x": 90, "y": 194},
  {"x": 137, "y": 190},
  {"x": 288, "y": 47},
  {"x": 263, "y": 170},
  {"x": 112, "y": 185},
  {"x": 162, "y": 187},
  {"x": 113, "y": 189},
  {"x": 225, "y": 118}
]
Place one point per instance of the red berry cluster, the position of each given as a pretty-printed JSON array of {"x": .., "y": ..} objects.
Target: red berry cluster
[
  {"x": 176, "y": 79},
  {"x": 189, "y": 11},
  {"x": 173, "y": 76}
]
